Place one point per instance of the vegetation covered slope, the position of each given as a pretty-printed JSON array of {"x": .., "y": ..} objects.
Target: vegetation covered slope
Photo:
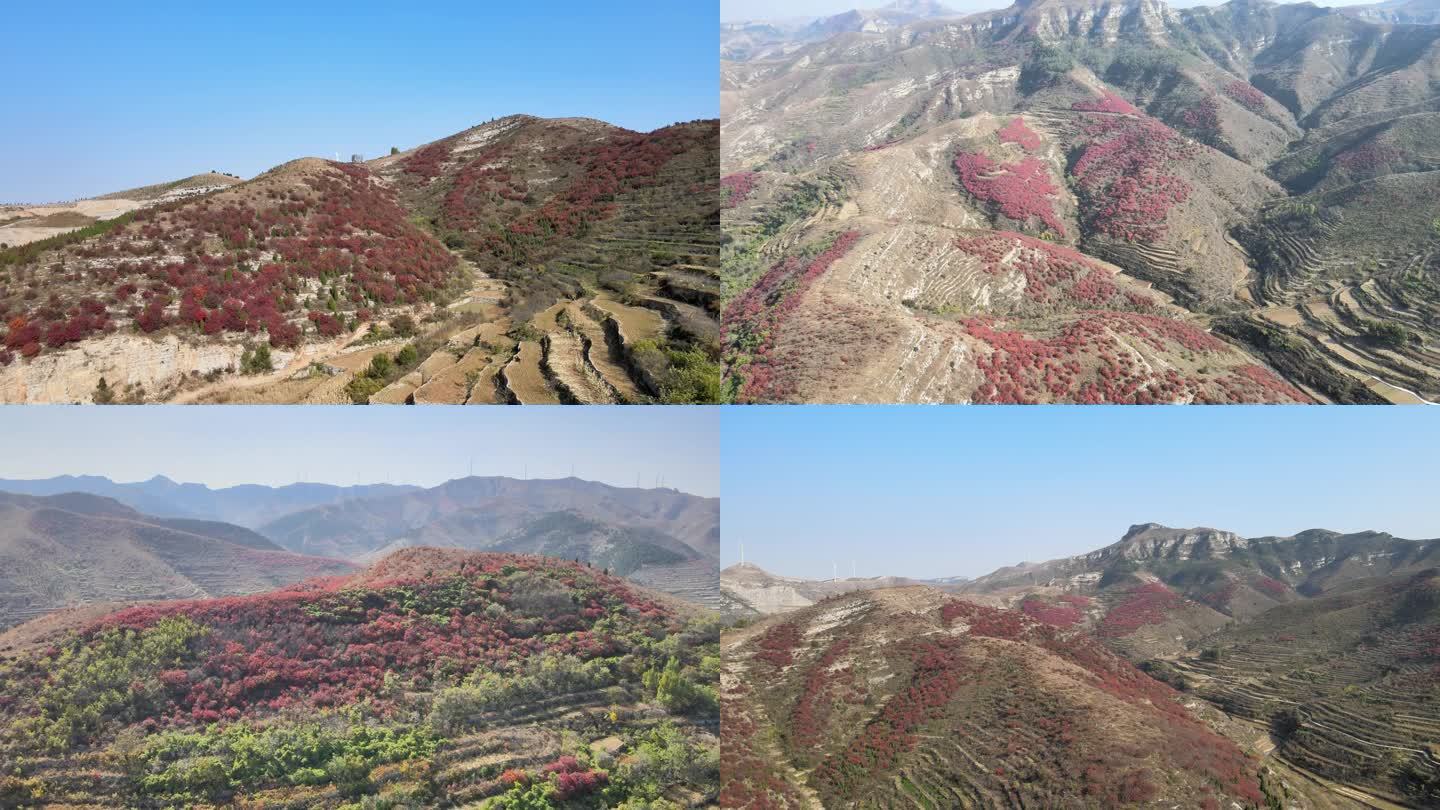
[
  {"x": 433, "y": 678},
  {"x": 1239, "y": 159},
  {"x": 910, "y": 698},
  {"x": 606, "y": 239},
  {"x": 1345, "y": 682},
  {"x": 1158, "y": 591},
  {"x": 521, "y": 261},
  {"x": 65, "y": 550}
]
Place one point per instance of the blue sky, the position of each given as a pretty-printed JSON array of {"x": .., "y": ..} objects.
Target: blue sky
[
  {"x": 223, "y": 446},
  {"x": 930, "y": 492},
  {"x": 103, "y": 96}
]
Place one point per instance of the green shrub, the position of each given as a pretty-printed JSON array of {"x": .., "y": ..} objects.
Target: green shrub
[{"x": 256, "y": 360}]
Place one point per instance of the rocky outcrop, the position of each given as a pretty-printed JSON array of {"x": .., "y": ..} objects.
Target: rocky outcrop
[{"x": 123, "y": 360}]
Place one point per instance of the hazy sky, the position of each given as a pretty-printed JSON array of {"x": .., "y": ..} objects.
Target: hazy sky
[
  {"x": 103, "y": 96},
  {"x": 223, "y": 446},
  {"x": 930, "y": 492}
]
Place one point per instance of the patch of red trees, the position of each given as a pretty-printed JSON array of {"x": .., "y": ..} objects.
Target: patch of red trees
[
  {"x": 336, "y": 230},
  {"x": 1271, "y": 587},
  {"x": 1247, "y": 95},
  {"x": 1021, "y": 191},
  {"x": 1107, "y": 103},
  {"x": 331, "y": 642},
  {"x": 1017, "y": 133},
  {"x": 751, "y": 324},
  {"x": 427, "y": 162},
  {"x": 736, "y": 188},
  {"x": 1151, "y": 603},
  {"x": 777, "y": 645},
  {"x": 1124, "y": 173}
]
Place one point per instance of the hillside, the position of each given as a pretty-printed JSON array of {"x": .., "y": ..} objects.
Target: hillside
[
  {"x": 432, "y": 678},
  {"x": 63, "y": 551},
  {"x": 1071, "y": 201},
  {"x": 23, "y": 224},
  {"x": 907, "y": 697},
  {"x": 606, "y": 242},
  {"x": 524, "y": 260},
  {"x": 1157, "y": 591},
  {"x": 664, "y": 538},
  {"x": 1345, "y": 682}
]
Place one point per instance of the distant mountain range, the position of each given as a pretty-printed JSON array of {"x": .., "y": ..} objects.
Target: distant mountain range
[
  {"x": 662, "y": 538},
  {"x": 61, "y": 551},
  {"x": 748, "y": 589},
  {"x": 248, "y": 505}
]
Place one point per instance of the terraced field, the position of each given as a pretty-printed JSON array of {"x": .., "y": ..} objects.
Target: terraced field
[
  {"x": 1346, "y": 686},
  {"x": 905, "y": 697}
]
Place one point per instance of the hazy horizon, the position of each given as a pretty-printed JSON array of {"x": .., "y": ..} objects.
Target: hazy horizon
[
  {"x": 139, "y": 95},
  {"x": 221, "y": 446},
  {"x": 933, "y": 493}
]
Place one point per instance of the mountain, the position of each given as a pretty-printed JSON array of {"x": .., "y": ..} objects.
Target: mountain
[
  {"x": 1074, "y": 201},
  {"x": 1398, "y": 12},
  {"x": 1158, "y": 590},
  {"x": 767, "y": 39},
  {"x": 908, "y": 696},
  {"x": 664, "y": 538},
  {"x": 61, "y": 551},
  {"x": 522, "y": 260},
  {"x": 748, "y": 590},
  {"x": 248, "y": 505},
  {"x": 433, "y": 678}
]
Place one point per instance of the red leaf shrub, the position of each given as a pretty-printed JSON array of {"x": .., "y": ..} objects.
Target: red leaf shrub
[
  {"x": 1123, "y": 174},
  {"x": 752, "y": 322},
  {"x": 1022, "y": 191},
  {"x": 1271, "y": 587},
  {"x": 1107, "y": 103},
  {"x": 1048, "y": 613},
  {"x": 1017, "y": 133},
  {"x": 778, "y": 644},
  {"x": 332, "y": 642},
  {"x": 736, "y": 188},
  {"x": 1203, "y": 117},
  {"x": 1247, "y": 95},
  {"x": 1367, "y": 157},
  {"x": 1146, "y": 604},
  {"x": 427, "y": 162}
]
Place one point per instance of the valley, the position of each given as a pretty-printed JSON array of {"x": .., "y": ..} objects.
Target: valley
[
  {"x": 1075, "y": 202},
  {"x": 522, "y": 261}
]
